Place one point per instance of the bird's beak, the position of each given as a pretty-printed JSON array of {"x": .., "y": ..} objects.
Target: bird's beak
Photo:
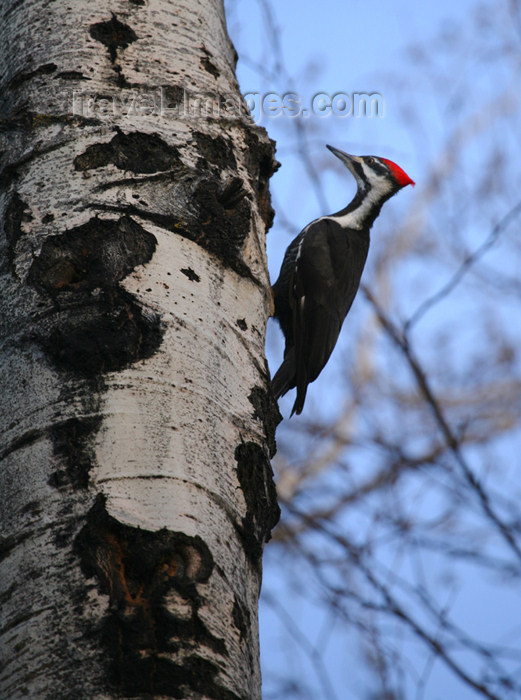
[{"x": 346, "y": 159}]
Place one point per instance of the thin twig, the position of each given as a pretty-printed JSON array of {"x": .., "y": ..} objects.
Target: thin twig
[
  {"x": 304, "y": 643},
  {"x": 469, "y": 261},
  {"x": 391, "y": 606},
  {"x": 401, "y": 341}
]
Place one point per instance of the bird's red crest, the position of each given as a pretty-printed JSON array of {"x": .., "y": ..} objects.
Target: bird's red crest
[{"x": 400, "y": 175}]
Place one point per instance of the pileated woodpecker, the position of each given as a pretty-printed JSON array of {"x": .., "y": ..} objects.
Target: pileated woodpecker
[{"x": 321, "y": 272}]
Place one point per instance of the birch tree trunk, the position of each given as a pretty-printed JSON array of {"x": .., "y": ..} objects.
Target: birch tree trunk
[{"x": 136, "y": 424}]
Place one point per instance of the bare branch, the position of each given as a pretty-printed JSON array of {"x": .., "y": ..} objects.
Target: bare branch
[
  {"x": 465, "y": 267},
  {"x": 453, "y": 442}
]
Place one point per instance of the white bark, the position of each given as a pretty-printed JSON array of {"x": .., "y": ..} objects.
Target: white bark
[{"x": 135, "y": 422}]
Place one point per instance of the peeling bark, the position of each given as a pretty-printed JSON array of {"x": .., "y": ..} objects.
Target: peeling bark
[{"x": 136, "y": 424}]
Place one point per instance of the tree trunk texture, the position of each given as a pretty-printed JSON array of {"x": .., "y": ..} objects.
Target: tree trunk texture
[{"x": 136, "y": 424}]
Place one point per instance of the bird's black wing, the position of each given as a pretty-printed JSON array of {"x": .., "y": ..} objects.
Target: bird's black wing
[
  {"x": 282, "y": 289},
  {"x": 324, "y": 283}
]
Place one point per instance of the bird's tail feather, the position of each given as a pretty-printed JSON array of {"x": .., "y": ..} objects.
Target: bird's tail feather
[
  {"x": 284, "y": 378},
  {"x": 299, "y": 401}
]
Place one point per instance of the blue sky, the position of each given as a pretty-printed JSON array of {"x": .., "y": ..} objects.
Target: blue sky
[
  {"x": 438, "y": 78},
  {"x": 371, "y": 47}
]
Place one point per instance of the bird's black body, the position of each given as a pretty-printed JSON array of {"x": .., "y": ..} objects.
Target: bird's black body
[{"x": 321, "y": 273}]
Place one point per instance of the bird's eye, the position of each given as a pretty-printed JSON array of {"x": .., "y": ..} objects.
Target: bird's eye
[{"x": 370, "y": 160}]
